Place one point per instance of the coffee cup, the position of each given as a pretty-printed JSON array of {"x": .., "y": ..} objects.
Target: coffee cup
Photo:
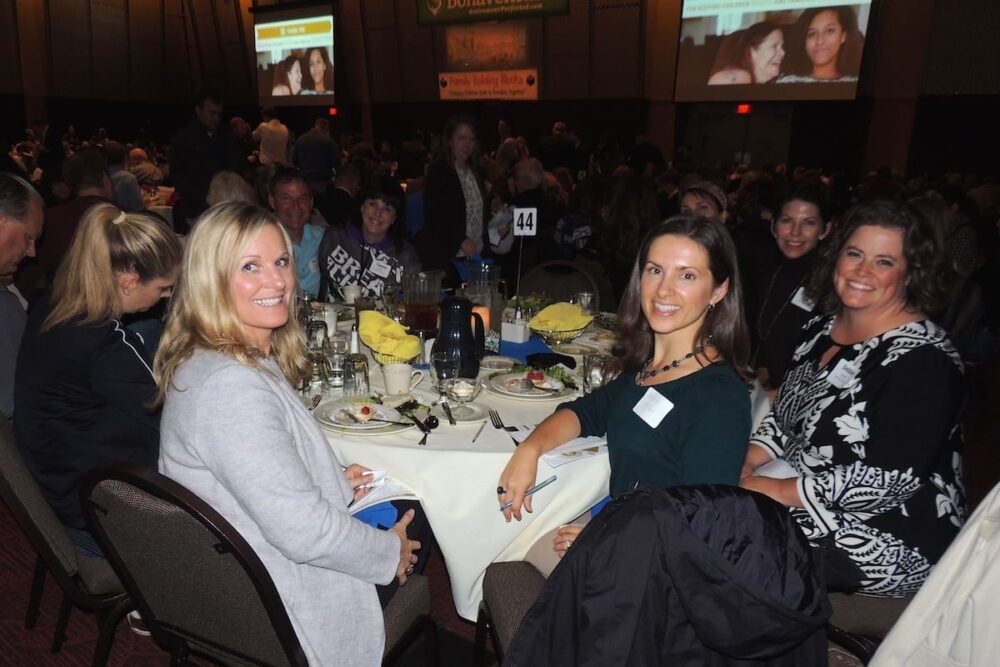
[
  {"x": 351, "y": 293},
  {"x": 400, "y": 379}
]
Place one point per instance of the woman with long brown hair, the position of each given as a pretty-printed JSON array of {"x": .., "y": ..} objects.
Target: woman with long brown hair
[{"x": 679, "y": 411}]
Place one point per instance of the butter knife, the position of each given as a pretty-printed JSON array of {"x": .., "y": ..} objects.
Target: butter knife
[{"x": 447, "y": 412}]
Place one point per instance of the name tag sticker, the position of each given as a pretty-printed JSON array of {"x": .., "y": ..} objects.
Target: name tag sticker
[
  {"x": 802, "y": 301},
  {"x": 380, "y": 268},
  {"x": 843, "y": 373},
  {"x": 653, "y": 407}
]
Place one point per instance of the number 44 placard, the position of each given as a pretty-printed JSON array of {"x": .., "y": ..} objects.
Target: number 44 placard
[{"x": 525, "y": 221}]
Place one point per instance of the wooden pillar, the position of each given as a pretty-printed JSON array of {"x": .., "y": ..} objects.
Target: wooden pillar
[
  {"x": 353, "y": 35},
  {"x": 662, "y": 25},
  {"x": 33, "y": 37},
  {"x": 898, "y": 72}
]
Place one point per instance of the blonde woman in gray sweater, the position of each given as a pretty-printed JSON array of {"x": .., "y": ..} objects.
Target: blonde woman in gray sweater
[{"x": 234, "y": 432}]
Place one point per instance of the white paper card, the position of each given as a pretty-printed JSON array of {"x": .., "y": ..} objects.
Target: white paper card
[
  {"x": 842, "y": 374},
  {"x": 525, "y": 221},
  {"x": 653, "y": 407},
  {"x": 801, "y": 300},
  {"x": 380, "y": 268}
]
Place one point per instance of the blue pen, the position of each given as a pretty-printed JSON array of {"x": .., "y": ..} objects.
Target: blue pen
[{"x": 537, "y": 487}]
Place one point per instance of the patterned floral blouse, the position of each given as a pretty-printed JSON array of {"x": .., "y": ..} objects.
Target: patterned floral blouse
[{"x": 875, "y": 438}]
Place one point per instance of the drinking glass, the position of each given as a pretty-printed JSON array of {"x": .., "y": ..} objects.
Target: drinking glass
[
  {"x": 336, "y": 350},
  {"x": 444, "y": 367},
  {"x": 598, "y": 370},
  {"x": 586, "y": 302},
  {"x": 316, "y": 335},
  {"x": 462, "y": 391},
  {"x": 356, "y": 375}
]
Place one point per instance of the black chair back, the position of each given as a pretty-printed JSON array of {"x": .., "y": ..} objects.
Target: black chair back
[
  {"x": 196, "y": 582},
  {"x": 88, "y": 583}
]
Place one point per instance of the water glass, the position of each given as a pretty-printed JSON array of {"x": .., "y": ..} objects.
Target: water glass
[
  {"x": 599, "y": 369},
  {"x": 316, "y": 335},
  {"x": 336, "y": 351},
  {"x": 586, "y": 302},
  {"x": 444, "y": 367},
  {"x": 356, "y": 375}
]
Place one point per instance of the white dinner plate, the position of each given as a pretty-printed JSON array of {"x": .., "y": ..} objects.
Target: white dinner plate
[
  {"x": 573, "y": 349},
  {"x": 504, "y": 385},
  {"x": 333, "y": 414},
  {"x": 495, "y": 362},
  {"x": 474, "y": 414}
]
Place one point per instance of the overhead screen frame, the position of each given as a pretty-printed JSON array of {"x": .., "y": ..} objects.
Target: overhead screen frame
[
  {"x": 779, "y": 92},
  {"x": 264, "y": 14}
]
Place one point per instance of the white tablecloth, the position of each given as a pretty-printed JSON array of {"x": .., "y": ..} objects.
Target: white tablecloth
[{"x": 456, "y": 481}]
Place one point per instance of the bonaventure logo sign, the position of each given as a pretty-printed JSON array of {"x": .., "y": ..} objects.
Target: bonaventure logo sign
[{"x": 437, "y": 12}]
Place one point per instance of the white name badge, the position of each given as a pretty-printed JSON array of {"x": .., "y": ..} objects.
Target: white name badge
[
  {"x": 653, "y": 407},
  {"x": 802, "y": 301},
  {"x": 380, "y": 268},
  {"x": 843, "y": 373}
]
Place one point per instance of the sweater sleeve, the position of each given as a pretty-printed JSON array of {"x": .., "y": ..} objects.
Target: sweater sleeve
[
  {"x": 897, "y": 434},
  {"x": 244, "y": 439},
  {"x": 594, "y": 409}
]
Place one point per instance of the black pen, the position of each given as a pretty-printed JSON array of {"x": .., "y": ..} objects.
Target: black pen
[{"x": 537, "y": 487}]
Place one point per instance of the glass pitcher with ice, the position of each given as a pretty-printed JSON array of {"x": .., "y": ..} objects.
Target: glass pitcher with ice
[
  {"x": 488, "y": 293},
  {"x": 421, "y": 296}
]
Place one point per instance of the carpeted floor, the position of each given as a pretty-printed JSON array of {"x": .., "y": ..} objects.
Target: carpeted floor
[{"x": 22, "y": 647}]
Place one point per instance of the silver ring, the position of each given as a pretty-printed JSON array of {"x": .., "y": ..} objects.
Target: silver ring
[{"x": 409, "y": 570}]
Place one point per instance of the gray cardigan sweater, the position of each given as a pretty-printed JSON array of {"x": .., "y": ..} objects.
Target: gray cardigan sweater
[{"x": 240, "y": 439}]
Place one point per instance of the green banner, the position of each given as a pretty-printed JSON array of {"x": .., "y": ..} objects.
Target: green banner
[{"x": 440, "y": 12}]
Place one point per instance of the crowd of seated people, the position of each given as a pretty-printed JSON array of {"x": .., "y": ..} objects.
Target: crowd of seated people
[{"x": 834, "y": 298}]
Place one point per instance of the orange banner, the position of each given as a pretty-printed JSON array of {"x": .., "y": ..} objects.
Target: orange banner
[{"x": 514, "y": 84}]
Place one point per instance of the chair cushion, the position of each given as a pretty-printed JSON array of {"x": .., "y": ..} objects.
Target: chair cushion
[
  {"x": 408, "y": 603},
  {"x": 509, "y": 590},
  {"x": 98, "y": 577},
  {"x": 866, "y": 615}
]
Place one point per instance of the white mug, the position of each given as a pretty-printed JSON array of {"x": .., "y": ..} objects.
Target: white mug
[
  {"x": 401, "y": 378},
  {"x": 351, "y": 293}
]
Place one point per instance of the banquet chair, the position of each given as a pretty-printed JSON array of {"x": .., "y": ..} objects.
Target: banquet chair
[
  {"x": 199, "y": 587},
  {"x": 860, "y": 622},
  {"x": 88, "y": 583},
  {"x": 509, "y": 590},
  {"x": 560, "y": 280}
]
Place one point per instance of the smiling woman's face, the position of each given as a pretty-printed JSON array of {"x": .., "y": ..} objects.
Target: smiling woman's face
[
  {"x": 317, "y": 67},
  {"x": 767, "y": 57},
  {"x": 824, "y": 38},
  {"x": 871, "y": 270},
  {"x": 295, "y": 77}
]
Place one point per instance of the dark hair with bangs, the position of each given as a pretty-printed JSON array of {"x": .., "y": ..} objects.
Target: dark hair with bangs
[
  {"x": 725, "y": 323},
  {"x": 925, "y": 268}
]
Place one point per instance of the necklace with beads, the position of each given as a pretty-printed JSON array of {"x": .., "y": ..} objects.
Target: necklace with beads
[{"x": 645, "y": 374}]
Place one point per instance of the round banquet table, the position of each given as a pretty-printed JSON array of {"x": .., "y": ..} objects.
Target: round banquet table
[{"x": 456, "y": 482}]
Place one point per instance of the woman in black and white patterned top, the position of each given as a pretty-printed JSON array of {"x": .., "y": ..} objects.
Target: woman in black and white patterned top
[{"x": 868, "y": 413}]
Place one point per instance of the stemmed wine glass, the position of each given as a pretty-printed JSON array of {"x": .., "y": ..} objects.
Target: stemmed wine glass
[{"x": 462, "y": 390}]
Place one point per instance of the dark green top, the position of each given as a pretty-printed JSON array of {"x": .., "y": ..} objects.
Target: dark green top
[{"x": 702, "y": 440}]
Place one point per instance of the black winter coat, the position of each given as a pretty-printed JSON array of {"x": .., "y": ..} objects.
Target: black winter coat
[{"x": 696, "y": 575}]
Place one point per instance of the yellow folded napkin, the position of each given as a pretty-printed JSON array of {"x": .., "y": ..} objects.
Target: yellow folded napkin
[
  {"x": 386, "y": 336},
  {"x": 560, "y": 317}
]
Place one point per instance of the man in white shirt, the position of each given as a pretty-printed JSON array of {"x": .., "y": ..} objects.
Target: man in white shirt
[{"x": 273, "y": 137}]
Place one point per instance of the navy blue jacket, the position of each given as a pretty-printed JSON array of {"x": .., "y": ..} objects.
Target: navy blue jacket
[{"x": 81, "y": 399}]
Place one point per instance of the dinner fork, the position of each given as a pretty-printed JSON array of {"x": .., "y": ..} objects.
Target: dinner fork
[{"x": 499, "y": 425}]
